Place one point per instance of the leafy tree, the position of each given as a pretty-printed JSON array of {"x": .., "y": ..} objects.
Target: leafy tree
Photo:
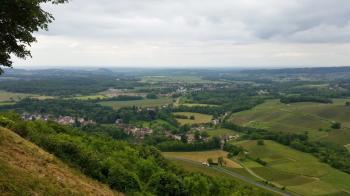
[
  {"x": 197, "y": 135},
  {"x": 196, "y": 185},
  {"x": 336, "y": 125},
  {"x": 166, "y": 184},
  {"x": 151, "y": 96},
  {"x": 221, "y": 160},
  {"x": 122, "y": 179},
  {"x": 210, "y": 161},
  {"x": 260, "y": 142},
  {"x": 19, "y": 20}
]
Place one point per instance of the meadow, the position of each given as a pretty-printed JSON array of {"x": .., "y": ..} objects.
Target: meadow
[
  {"x": 8, "y": 98},
  {"x": 198, "y": 118},
  {"x": 220, "y": 132},
  {"x": 297, "y": 171},
  {"x": 198, "y": 104},
  {"x": 203, "y": 156},
  {"x": 315, "y": 118},
  {"x": 139, "y": 103}
]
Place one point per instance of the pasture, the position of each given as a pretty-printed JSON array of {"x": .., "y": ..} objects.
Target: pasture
[
  {"x": 203, "y": 156},
  {"x": 90, "y": 97},
  {"x": 198, "y": 118},
  {"x": 315, "y": 118},
  {"x": 297, "y": 171},
  {"x": 139, "y": 103},
  {"x": 221, "y": 132},
  {"x": 198, "y": 104},
  {"x": 8, "y": 97}
]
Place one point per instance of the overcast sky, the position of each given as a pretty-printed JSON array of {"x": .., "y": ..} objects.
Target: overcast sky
[{"x": 197, "y": 33}]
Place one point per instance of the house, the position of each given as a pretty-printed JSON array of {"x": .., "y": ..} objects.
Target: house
[
  {"x": 215, "y": 121},
  {"x": 66, "y": 120},
  {"x": 119, "y": 121}
]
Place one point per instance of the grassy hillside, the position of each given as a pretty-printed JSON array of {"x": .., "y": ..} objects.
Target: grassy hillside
[
  {"x": 315, "y": 118},
  {"x": 26, "y": 169},
  {"x": 297, "y": 171}
]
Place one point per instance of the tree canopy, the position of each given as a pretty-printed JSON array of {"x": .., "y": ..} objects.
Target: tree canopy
[{"x": 18, "y": 21}]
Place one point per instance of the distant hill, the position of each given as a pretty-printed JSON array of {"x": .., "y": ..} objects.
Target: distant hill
[{"x": 26, "y": 169}]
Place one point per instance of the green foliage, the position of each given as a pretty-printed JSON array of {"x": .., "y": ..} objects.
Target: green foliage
[
  {"x": 166, "y": 184},
  {"x": 151, "y": 96},
  {"x": 221, "y": 161},
  {"x": 210, "y": 161},
  {"x": 123, "y": 180},
  {"x": 232, "y": 149},
  {"x": 260, "y": 142},
  {"x": 296, "y": 99},
  {"x": 336, "y": 125},
  {"x": 260, "y": 161},
  {"x": 19, "y": 20},
  {"x": 125, "y": 167},
  {"x": 66, "y": 85},
  {"x": 178, "y": 146}
]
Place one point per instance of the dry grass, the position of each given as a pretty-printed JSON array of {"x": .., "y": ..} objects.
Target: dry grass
[
  {"x": 203, "y": 156},
  {"x": 49, "y": 174}
]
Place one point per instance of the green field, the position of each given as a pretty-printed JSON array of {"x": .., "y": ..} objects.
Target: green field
[
  {"x": 202, "y": 156},
  {"x": 220, "y": 132},
  {"x": 139, "y": 103},
  {"x": 87, "y": 97},
  {"x": 8, "y": 98},
  {"x": 315, "y": 118},
  {"x": 297, "y": 171},
  {"x": 199, "y": 118},
  {"x": 174, "y": 79},
  {"x": 198, "y": 104}
]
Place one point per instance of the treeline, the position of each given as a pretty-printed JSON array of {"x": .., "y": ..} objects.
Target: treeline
[
  {"x": 106, "y": 130},
  {"x": 88, "y": 110},
  {"x": 66, "y": 85},
  {"x": 118, "y": 98},
  {"x": 179, "y": 146},
  {"x": 63, "y": 107},
  {"x": 332, "y": 154},
  {"x": 296, "y": 99},
  {"x": 132, "y": 169}
]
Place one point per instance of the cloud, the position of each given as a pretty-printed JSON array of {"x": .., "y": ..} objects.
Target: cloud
[{"x": 195, "y": 31}]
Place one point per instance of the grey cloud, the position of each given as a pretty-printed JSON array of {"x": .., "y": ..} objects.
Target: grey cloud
[{"x": 205, "y": 20}]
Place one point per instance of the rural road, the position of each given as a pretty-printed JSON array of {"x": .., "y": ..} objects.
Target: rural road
[{"x": 236, "y": 175}]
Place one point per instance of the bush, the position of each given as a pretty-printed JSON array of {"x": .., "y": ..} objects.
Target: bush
[
  {"x": 151, "y": 96},
  {"x": 336, "y": 125},
  {"x": 260, "y": 142},
  {"x": 166, "y": 184},
  {"x": 123, "y": 180}
]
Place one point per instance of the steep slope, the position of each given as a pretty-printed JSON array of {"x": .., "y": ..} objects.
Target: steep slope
[{"x": 26, "y": 169}]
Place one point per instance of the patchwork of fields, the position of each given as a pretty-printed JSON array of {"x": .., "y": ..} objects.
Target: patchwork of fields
[
  {"x": 297, "y": 171},
  {"x": 139, "y": 103},
  {"x": 314, "y": 118}
]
